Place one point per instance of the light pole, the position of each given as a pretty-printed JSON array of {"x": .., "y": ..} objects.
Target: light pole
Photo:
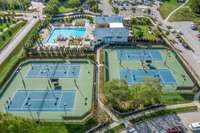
[
  {"x": 38, "y": 115},
  {"x": 29, "y": 105},
  {"x": 165, "y": 62},
  {"x": 49, "y": 82},
  {"x": 65, "y": 105},
  {"x": 23, "y": 81}
]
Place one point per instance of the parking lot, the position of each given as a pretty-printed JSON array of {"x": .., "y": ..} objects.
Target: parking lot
[
  {"x": 189, "y": 34},
  {"x": 127, "y": 9},
  {"x": 188, "y": 118},
  {"x": 132, "y": 11},
  {"x": 160, "y": 124}
]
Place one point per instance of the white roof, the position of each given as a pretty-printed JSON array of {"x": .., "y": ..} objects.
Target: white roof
[{"x": 116, "y": 25}]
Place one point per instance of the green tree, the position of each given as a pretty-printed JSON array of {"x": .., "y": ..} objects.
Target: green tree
[
  {"x": 195, "y": 6},
  {"x": 52, "y": 7},
  {"x": 147, "y": 93},
  {"x": 11, "y": 124},
  {"x": 116, "y": 91},
  {"x": 73, "y": 3},
  {"x": 123, "y": 97},
  {"x": 14, "y": 4}
]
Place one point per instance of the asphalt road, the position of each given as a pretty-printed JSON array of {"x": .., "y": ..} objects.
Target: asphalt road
[{"x": 6, "y": 51}]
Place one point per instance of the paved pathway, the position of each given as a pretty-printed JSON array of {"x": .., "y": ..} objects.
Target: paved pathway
[
  {"x": 167, "y": 18},
  {"x": 7, "y": 50}
]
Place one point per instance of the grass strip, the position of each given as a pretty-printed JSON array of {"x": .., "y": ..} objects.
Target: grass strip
[
  {"x": 167, "y": 7},
  {"x": 170, "y": 98},
  {"x": 7, "y": 36},
  {"x": 116, "y": 129},
  {"x": 164, "y": 112},
  {"x": 13, "y": 59}
]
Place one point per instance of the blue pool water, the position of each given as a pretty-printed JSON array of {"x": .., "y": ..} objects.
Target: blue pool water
[{"x": 65, "y": 32}]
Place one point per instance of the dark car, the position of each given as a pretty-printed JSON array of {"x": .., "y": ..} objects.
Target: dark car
[{"x": 177, "y": 129}]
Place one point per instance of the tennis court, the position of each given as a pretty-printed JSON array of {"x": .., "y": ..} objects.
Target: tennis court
[
  {"x": 42, "y": 100},
  {"x": 138, "y": 75},
  {"x": 139, "y": 54},
  {"x": 57, "y": 70}
]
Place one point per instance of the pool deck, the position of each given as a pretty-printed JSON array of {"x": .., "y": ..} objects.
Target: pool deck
[
  {"x": 177, "y": 70},
  {"x": 88, "y": 34},
  {"x": 83, "y": 88}
]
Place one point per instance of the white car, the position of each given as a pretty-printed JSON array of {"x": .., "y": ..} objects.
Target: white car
[
  {"x": 195, "y": 126},
  {"x": 132, "y": 130}
]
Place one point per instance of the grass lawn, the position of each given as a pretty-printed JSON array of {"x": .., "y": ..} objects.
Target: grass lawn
[
  {"x": 63, "y": 9},
  {"x": 176, "y": 98},
  {"x": 185, "y": 14},
  {"x": 53, "y": 127},
  {"x": 6, "y": 36},
  {"x": 167, "y": 7},
  {"x": 116, "y": 129},
  {"x": 7, "y": 66}
]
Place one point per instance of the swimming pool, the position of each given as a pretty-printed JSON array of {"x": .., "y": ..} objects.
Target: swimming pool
[{"x": 65, "y": 32}]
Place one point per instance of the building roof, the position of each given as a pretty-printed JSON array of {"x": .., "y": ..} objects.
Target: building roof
[
  {"x": 111, "y": 32},
  {"x": 108, "y": 19},
  {"x": 116, "y": 25}
]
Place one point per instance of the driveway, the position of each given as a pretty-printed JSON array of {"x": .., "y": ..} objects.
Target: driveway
[
  {"x": 188, "y": 118},
  {"x": 189, "y": 34}
]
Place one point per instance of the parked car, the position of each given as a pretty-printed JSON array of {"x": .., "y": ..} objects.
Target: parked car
[
  {"x": 195, "y": 126},
  {"x": 198, "y": 36},
  {"x": 179, "y": 32},
  {"x": 34, "y": 16},
  {"x": 194, "y": 27},
  {"x": 132, "y": 130},
  {"x": 177, "y": 129},
  {"x": 173, "y": 31},
  {"x": 169, "y": 27}
]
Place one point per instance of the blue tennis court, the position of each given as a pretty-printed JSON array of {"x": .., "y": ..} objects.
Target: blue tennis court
[
  {"x": 50, "y": 70},
  {"x": 138, "y": 54},
  {"x": 138, "y": 76},
  {"x": 44, "y": 100}
]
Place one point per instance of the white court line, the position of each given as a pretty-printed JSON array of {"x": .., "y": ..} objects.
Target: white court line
[
  {"x": 60, "y": 99},
  {"x": 25, "y": 109},
  {"x": 36, "y": 100},
  {"x": 160, "y": 75},
  {"x": 149, "y": 52},
  {"x": 22, "y": 106}
]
